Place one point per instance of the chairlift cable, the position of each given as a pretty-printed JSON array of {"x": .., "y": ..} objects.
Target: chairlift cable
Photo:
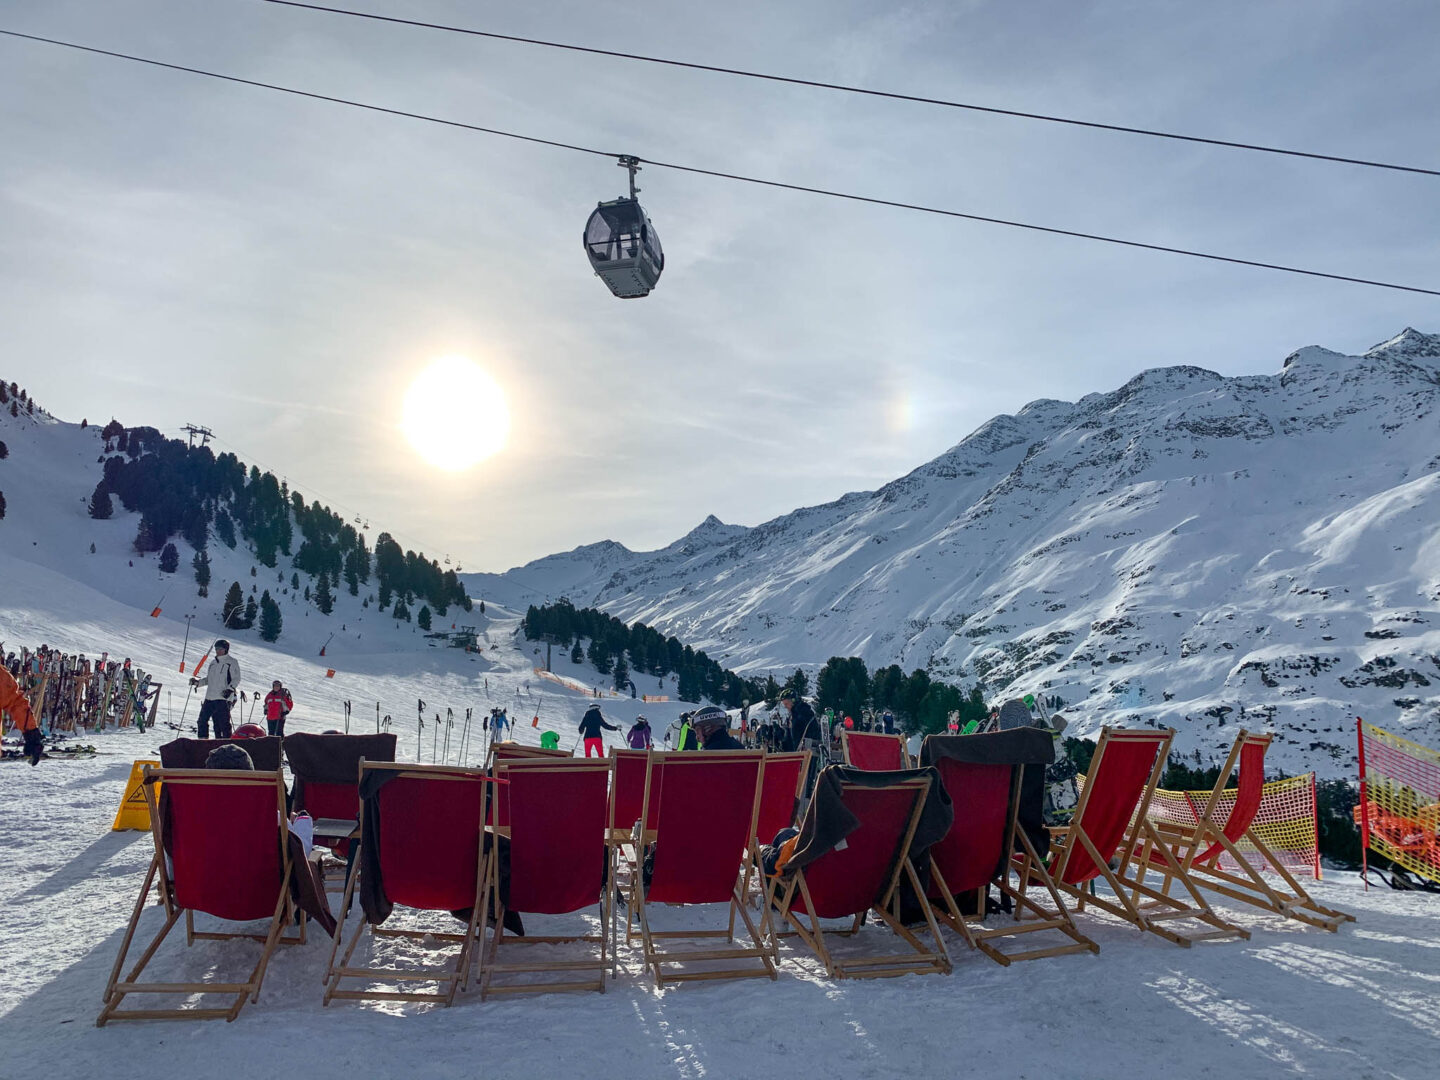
[
  {"x": 872, "y": 200},
  {"x": 866, "y": 91}
]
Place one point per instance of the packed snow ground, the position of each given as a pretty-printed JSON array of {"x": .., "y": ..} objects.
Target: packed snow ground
[{"x": 1291, "y": 1001}]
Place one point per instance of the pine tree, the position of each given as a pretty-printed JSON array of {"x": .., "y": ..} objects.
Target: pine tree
[
  {"x": 324, "y": 598},
  {"x": 201, "y": 563},
  {"x": 92, "y": 547},
  {"x": 248, "y": 620},
  {"x": 400, "y": 611},
  {"x": 772, "y": 691},
  {"x": 352, "y": 572},
  {"x": 622, "y": 673},
  {"x": 234, "y": 602},
  {"x": 577, "y": 654},
  {"x": 295, "y": 582},
  {"x": 2, "y": 505},
  {"x": 269, "y": 618},
  {"x": 599, "y": 655},
  {"x": 482, "y": 607},
  {"x": 169, "y": 559},
  {"x": 100, "y": 505},
  {"x": 225, "y": 528},
  {"x": 423, "y": 618},
  {"x": 4, "y": 450}
]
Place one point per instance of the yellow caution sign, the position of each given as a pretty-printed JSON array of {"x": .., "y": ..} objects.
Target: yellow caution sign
[{"x": 134, "y": 812}]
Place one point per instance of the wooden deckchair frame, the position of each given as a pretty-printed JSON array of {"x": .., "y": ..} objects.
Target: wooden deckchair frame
[
  {"x": 449, "y": 979},
  {"x": 754, "y": 872},
  {"x": 921, "y": 961},
  {"x": 116, "y": 988},
  {"x": 1128, "y": 882},
  {"x": 846, "y": 735},
  {"x": 658, "y": 960},
  {"x": 521, "y": 752},
  {"x": 1188, "y": 843},
  {"x": 972, "y": 928},
  {"x": 489, "y": 965}
]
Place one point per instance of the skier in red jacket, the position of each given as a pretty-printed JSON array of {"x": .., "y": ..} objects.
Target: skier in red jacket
[{"x": 277, "y": 707}]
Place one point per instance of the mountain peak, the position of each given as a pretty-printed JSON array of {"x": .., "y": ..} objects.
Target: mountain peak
[{"x": 1409, "y": 344}]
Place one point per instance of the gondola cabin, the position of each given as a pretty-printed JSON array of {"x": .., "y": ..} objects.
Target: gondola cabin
[{"x": 623, "y": 248}]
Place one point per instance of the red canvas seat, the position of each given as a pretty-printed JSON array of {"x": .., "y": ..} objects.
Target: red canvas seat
[
  {"x": 557, "y": 856},
  {"x": 1110, "y": 823},
  {"x": 326, "y": 771},
  {"x": 975, "y": 854},
  {"x": 1200, "y": 845},
  {"x": 874, "y": 751},
  {"x": 421, "y": 836},
  {"x": 704, "y": 833},
  {"x": 225, "y": 837},
  {"x": 860, "y": 872},
  {"x": 513, "y": 751}
]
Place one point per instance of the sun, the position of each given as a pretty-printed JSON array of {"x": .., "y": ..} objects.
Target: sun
[{"x": 454, "y": 414}]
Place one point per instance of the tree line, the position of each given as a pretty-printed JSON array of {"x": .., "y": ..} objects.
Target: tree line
[
  {"x": 617, "y": 650},
  {"x": 191, "y": 492}
]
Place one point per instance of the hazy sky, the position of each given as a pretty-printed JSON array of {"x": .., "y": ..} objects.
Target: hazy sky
[{"x": 175, "y": 249}]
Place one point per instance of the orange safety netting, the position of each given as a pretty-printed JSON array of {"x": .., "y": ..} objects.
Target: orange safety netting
[
  {"x": 1399, "y": 810},
  {"x": 1285, "y": 822}
]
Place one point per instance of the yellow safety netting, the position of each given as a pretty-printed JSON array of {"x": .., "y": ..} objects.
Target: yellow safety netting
[
  {"x": 1399, "y": 811},
  {"x": 1285, "y": 821}
]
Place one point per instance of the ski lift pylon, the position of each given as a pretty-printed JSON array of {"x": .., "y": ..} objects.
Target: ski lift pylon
[{"x": 622, "y": 245}]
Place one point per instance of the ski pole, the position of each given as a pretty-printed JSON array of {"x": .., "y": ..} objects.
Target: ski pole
[{"x": 184, "y": 708}]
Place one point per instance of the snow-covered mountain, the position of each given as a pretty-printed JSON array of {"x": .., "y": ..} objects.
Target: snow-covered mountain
[{"x": 1189, "y": 549}]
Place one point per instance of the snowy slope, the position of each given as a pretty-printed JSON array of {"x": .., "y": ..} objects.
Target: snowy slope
[
  {"x": 54, "y": 590},
  {"x": 1188, "y": 549}
]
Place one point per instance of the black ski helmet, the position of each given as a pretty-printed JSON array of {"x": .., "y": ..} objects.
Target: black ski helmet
[{"x": 222, "y": 644}]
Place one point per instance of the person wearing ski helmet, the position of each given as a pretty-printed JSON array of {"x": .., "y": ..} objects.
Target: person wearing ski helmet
[
  {"x": 590, "y": 725},
  {"x": 887, "y": 722},
  {"x": 804, "y": 728},
  {"x": 222, "y": 683},
  {"x": 712, "y": 726},
  {"x": 639, "y": 736},
  {"x": 278, "y": 704}
]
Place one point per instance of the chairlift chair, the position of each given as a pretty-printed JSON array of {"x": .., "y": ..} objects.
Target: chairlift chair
[{"x": 621, "y": 243}]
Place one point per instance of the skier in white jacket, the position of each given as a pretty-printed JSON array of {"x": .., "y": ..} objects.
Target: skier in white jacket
[{"x": 222, "y": 682}]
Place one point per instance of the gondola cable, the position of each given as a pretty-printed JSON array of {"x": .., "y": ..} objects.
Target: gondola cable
[
  {"x": 917, "y": 99},
  {"x": 620, "y": 158}
]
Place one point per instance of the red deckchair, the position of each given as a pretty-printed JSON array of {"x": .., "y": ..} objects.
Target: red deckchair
[
  {"x": 226, "y": 837},
  {"x": 421, "y": 837},
  {"x": 973, "y": 856},
  {"x": 1200, "y": 846},
  {"x": 874, "y": 751},
  {"x": 558, "y": 861},
  {"x": 704, "y": 833},
  {"x": 1109, "y": 823},
  {"x": 326, "y": 769},
  {"x": 862, "y": 874},
  {"x": 781, "y": 787}
]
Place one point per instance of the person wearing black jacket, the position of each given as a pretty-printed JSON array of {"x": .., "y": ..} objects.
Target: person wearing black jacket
[
  {"x": 590, "y": 725},
  {"x": 803, "y": 725},
  {"x": 712, "y": 725}
]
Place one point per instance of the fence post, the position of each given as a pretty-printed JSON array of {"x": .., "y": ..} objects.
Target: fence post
[{"x": 1364, "y": 806}]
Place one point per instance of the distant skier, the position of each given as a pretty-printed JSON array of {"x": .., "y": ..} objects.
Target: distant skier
[
  {"x": 804, "y": 731},
  {"x": 278, "y": 705},
  {"x": 222, "y": 682},
  {"x": 639, "y": 735},
  {"x": 590, "y": 725}
]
